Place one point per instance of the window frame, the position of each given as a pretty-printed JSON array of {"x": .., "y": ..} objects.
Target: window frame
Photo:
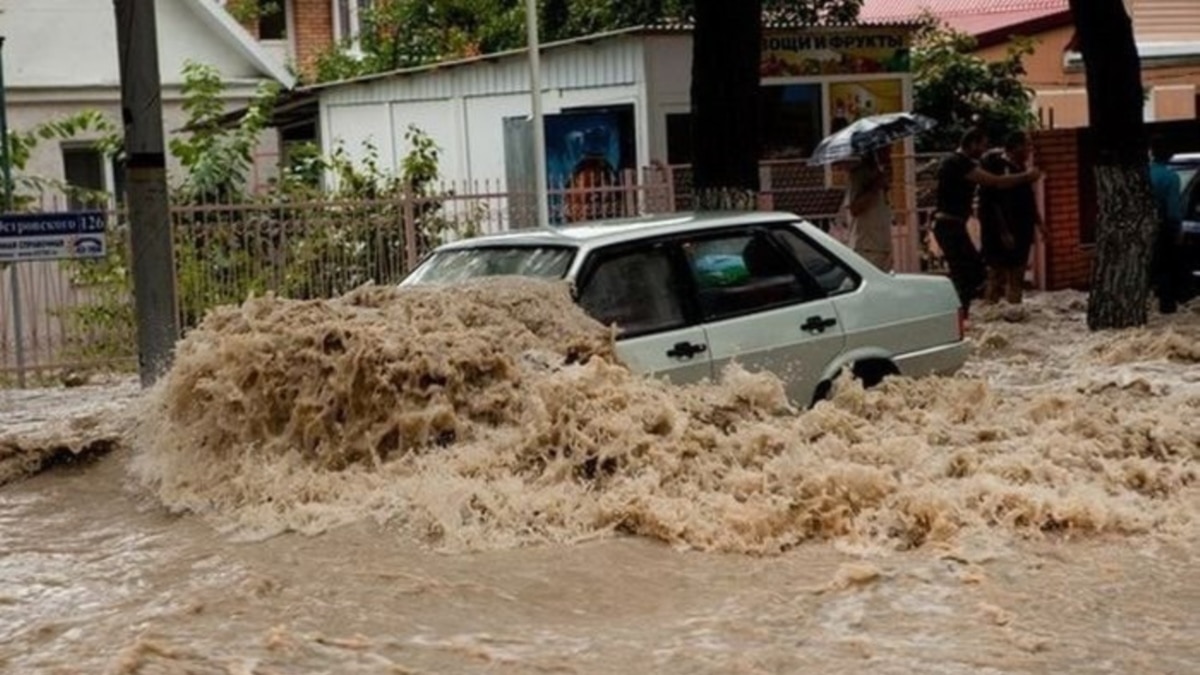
[
  {"x": 348, "y": 34},
  {"x": 685, "y": 289},
  {"x": 285, "y": 10},
  {"x": 693, "y": 312},
  {"x": 792, "y": 227},
  {"x": 107, "y": 172},
  {"x": 1191, "y": 198},
  {"x": 766, "y": 231}
]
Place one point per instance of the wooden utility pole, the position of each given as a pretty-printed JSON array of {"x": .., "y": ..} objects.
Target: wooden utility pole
[{"x": 151, "y": 247}]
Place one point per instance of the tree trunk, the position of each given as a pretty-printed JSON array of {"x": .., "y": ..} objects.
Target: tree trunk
[
  {"x": 1126, "y": 224},
  {"x": 1125, "y": 232},
  {"x": 726, "y": 54}
]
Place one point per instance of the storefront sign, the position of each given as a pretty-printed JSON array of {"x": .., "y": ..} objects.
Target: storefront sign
[{"x": 816, "y": 52}]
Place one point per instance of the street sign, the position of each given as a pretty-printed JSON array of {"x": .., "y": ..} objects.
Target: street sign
[{"x": 52, "y": 236}]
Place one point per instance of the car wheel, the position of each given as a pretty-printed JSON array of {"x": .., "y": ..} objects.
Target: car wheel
[{"x": 870, "y": 373}]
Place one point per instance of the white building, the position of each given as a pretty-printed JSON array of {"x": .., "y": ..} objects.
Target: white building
[
  {"x": 60, "y": 58},
  {"x": 813, "y": 79}
]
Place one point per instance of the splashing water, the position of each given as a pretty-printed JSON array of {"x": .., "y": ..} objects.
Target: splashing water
[{"x": 498, "y": 415}]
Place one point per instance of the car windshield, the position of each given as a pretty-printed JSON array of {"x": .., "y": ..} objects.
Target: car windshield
[{"x": 454, "y": 265}]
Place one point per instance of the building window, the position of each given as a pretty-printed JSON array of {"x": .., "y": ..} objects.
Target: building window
[
  {"x": 679, "y": 138},
  {"x": 273, "y": 20},
  {"x": 791, "y": 120},
  {"x": 83, "y": 172},
  {"x": 348, "y": 17},
  {"x": 92, "y": 180}
]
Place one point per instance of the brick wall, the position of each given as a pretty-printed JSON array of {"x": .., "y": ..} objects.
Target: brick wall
[
  {"x": 1068, "y": 257},
  {"x": 313, "y": 22}
]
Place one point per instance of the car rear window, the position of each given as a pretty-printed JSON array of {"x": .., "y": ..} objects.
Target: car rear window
[{"x": 455, "y": 265}]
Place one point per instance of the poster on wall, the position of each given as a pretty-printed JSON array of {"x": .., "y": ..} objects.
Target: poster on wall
[
  {"x": 816, "y": 52},
  {"x": 587, "y": 152},
  {"x": 852, "y": 101}
]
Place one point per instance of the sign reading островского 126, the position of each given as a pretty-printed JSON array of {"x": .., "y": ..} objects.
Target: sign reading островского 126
[{"x": 52, "y": 236}]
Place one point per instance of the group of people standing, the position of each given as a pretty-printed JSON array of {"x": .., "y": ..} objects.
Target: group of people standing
[
  {"x": 1007, "y": 208},
  {"x": 1008, "y": 216},
  {"x": 997, "y": 186}
]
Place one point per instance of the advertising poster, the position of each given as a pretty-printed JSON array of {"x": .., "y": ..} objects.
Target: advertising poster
[
  {"x": 812, "y": 53},
  {"x": 586, "y": 153},
  {"x": 851, "y": 101}
]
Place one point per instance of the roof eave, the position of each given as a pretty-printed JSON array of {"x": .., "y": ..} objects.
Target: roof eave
[
  {"x": 216, "y": 17},
  {"x": 1028, "y": 28}
]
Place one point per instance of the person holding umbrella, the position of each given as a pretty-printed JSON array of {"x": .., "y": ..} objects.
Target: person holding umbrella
[
  {"x": 870, "y": 212},
  {"x": 867, "y": 143}
]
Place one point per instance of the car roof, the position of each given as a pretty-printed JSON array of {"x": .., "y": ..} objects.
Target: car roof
[{"x": 602, "y": 232}]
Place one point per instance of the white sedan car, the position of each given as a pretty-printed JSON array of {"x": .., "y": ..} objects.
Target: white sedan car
[{"x": 690, "y": 293}]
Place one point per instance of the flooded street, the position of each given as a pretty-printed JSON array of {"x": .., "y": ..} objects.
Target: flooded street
[{"x": 1036, "y": 514}]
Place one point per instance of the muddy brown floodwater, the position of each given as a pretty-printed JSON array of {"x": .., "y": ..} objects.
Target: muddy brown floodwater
[{"x": 427, "y": 482}]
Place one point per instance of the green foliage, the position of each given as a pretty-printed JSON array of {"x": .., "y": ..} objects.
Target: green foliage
[
  {"x": 247, "y": 11},
  {"x": 406, "y": 33},
  {"x": 102, "y": 330},
  {"x": 297, "y": 240},
  {"x": 21, "y": 144},
  {"x": 960, "y": 89},
  {"x": 217, "y": 158}
]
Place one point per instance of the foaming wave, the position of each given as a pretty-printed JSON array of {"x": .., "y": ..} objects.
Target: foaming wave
[
  {"x": 1168, "y": 344},
  {"x": 497, "y": 415}
]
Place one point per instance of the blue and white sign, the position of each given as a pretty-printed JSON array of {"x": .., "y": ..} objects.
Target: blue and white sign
[{"x": 52, "y": 236}]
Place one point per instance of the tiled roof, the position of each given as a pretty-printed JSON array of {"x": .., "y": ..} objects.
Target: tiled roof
[{"x": 976, "y": 17}]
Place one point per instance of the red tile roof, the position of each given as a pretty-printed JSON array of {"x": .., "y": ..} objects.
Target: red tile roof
[{"x": 976, "y": 17}]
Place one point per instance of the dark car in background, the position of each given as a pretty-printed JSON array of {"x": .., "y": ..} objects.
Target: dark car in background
[{"x": 1188, "y": 168}]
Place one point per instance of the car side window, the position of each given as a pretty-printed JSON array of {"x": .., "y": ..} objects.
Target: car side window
[
  {"x": 743, "y": 273},
  {"x": 639, "y": 291},
  {"x": 830, "y": 274},
  {"x": 1192, "y": 199}
]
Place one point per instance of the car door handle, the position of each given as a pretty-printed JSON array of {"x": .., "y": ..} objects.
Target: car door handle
[
  {"x": 817, "y": 324},
  {"x": 686, "y": 350}
]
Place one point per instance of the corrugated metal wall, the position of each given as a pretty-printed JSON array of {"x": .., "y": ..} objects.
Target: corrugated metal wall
[{"x": 606, "y": 63}]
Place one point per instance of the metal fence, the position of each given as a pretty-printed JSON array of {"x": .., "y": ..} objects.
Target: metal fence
[{"x": 78, "y": 315}]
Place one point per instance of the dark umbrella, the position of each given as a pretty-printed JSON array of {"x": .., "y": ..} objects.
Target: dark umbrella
[{"x": 868, "y": 134}]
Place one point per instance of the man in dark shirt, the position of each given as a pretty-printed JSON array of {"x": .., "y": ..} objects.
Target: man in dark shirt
[
  {"x": 957, "y": 177},
  {"x": 1007, "y": 221},
  {"x": 1168, "y": 275}
]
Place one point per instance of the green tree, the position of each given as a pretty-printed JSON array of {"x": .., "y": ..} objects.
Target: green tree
[
  {"x": 960, "y": 89},
  {"x": 1125, "y": 228},
  {"x": 217, "y": 158},
  {"x": 406, "y": 33}
]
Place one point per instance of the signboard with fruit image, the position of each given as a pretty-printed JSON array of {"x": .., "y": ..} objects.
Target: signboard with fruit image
[
  {"x": 852, "y": 101},
  {"x": 813, "y": 53}
]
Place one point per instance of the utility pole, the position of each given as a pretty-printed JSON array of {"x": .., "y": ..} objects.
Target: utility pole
[
  {"x": 539, "y": 126},
  {"x": 7, "y": 207},
  {"x": 149, "y": 206}
]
